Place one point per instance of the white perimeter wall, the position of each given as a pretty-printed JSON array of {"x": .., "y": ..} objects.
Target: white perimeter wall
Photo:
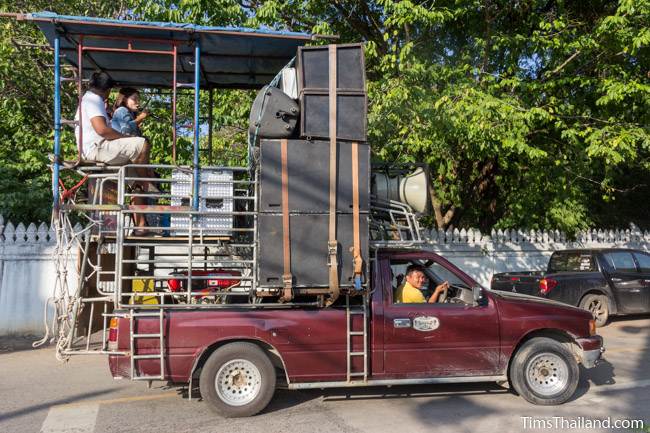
[
  {"x": 27, "y": 275},
  {"x": 27, "y": 272}
]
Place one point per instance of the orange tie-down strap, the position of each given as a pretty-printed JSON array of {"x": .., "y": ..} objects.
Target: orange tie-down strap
[
  {"x": 287, "y": 278},
  {"x": 356, "y": 248}
]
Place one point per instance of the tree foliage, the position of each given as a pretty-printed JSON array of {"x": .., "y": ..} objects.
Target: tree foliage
[{"x": 530, "y": 113}]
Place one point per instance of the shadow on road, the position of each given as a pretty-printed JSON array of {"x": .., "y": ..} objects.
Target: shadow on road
[
  {"x": 11, "y": 344},
  {"x": 48, "y": 404},
  {"x": 408, "y": 391},
  {"x": 627, "y": 318},
  {"x": 602, "y": 374}
]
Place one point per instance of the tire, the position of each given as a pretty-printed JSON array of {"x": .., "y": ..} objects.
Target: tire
[
  {"x": 237, "y": 380},
  {"x": 598, "y": 306},
  {"x": 544, "y": 372}
]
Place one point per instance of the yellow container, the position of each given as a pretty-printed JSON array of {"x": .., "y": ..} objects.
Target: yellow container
[{"x": 143, "y": 286}]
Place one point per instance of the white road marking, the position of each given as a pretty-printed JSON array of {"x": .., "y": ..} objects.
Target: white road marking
[{"x": 71, "y": 419}]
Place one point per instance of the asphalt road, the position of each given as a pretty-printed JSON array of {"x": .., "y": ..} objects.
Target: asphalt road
[{"x": 37, "y": 393}]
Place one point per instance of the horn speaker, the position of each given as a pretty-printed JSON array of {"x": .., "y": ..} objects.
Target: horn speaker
[{"x": 409, "y": 188}]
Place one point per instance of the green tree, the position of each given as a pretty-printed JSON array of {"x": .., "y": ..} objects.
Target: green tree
[
  {"x": 531, "y": 114},
  {"x": 26, "y": 108}
]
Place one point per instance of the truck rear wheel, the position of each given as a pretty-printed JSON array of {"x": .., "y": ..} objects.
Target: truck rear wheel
[
  {"x": 544, "y": 372},
  {"x": 238, "y": 380},
  {"x": 598, "y": 306}
]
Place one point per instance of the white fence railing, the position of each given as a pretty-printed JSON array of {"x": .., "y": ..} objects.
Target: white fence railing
[{"x": 27, "y": 272}]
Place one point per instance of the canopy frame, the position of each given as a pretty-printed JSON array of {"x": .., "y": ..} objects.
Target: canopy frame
[{"x": 86, "y": 43}]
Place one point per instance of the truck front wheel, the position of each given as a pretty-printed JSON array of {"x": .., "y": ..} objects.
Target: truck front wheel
[
  {"x": 544, "y": 372},
  {"x": 238, "y": 380}
]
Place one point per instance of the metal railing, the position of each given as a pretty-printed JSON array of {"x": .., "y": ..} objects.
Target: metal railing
[{"x": 393, "y": 223}]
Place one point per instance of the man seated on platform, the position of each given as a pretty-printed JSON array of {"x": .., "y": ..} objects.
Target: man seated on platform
[
  {"x": 410, "y": 292},
  {"x": 101, "y": 143}
]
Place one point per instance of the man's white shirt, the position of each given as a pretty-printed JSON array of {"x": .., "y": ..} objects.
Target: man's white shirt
[{"x": 92, "y": 105}]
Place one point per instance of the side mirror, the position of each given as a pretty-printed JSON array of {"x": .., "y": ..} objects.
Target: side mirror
[{"x": 477, "y": 294}]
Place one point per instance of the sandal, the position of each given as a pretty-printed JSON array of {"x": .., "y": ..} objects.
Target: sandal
[{"x": 142, "y": 233}]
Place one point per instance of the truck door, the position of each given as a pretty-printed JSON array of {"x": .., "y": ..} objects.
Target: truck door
[
  {"x": 627, "y": 281},
  {"x": 454, "y": 338},
  {"x": 643, "y": 262}
]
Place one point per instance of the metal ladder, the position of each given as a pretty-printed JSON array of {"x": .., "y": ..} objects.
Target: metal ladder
[
  {"x": 351, "y": 311},
  {"x": 160, "y": 356}
]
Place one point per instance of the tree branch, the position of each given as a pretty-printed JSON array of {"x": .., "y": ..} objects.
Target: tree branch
[{"x": 566, "y": 62}]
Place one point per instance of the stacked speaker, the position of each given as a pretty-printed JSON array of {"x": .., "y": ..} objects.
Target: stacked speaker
[
  {"x": 351, "y": 98},
  {"x": 307, "y": 173}
]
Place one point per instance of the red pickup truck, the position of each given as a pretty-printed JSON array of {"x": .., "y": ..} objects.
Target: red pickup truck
[{"x": 471, "y": 334}]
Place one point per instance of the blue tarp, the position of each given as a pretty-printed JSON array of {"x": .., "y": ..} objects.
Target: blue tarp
[{"x": 230, "y": 56}]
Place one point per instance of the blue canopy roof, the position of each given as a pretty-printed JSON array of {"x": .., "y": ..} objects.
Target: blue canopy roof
[{"x": 230, "y": 56}]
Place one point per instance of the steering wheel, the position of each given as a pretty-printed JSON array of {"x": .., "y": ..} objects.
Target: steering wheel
[{"x": 443, "y": 296}]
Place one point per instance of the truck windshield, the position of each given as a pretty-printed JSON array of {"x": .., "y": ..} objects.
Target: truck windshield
[
  {"x": 441, "y": 274},
  {"x": 571, "y": 262}
]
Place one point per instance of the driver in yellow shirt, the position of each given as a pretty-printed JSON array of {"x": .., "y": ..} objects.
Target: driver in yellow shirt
[{"x": 410, "y": 291}]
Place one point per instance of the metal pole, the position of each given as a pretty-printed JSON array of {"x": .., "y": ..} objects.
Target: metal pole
[
  {"x": 80, "y": 95},
  {"x": 197, "y": 88},
  {"x": 174, "y": 86},
  {"x": 210, "y": 122},
  {"x": 57, "y": 123}
]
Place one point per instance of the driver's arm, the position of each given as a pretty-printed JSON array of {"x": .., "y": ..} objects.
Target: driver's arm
[{"x": 436, "y": 293}]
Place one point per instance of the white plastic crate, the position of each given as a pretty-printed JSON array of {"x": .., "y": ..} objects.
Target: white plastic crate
[{"x": 215, "y": 197}]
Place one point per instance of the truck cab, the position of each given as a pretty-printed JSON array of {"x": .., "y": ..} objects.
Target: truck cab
[{"x": 471, "y": 335}]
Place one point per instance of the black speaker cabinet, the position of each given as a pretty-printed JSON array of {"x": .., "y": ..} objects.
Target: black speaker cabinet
[
  {"x": 273, "y": 115},
  {"x": 313, "y": 68},
  {"x": 351, "y": 100},
  {"x": 308, "y": 238},
  {"x": 308, "y": 176},
  {"x": 351, "y": 109}
]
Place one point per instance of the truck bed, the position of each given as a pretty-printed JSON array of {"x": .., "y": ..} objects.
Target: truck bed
[
  {"x": 520, "y": 282},
  {"x": 310, "y": 353}
]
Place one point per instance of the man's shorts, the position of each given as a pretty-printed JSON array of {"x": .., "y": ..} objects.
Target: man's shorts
[{"x": 120, "y": 151}]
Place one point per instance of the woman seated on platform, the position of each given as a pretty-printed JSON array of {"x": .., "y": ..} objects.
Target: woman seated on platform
[{"x": 127, "y": 116}]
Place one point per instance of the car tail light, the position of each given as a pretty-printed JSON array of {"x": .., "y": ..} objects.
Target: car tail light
[
  {"x": 221, "y": 283},
  {"x": 112, "y": 334},
  {"x": 546, "y": 285},
  {"x": 592, "y": 327}
]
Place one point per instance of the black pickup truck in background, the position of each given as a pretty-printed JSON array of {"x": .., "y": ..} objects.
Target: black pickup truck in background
[{"x": 604, "y": 281}]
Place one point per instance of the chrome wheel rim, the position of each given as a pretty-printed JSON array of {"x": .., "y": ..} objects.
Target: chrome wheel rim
[
  {"x": 238, "y": 382},
  {"x": 597, "y": 309},
  {"x": 547, "y": 374}
]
